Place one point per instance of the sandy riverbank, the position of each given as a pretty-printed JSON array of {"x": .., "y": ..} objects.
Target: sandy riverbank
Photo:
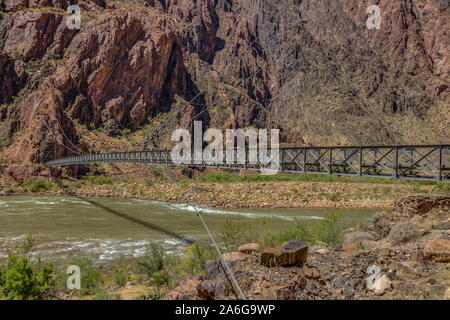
[{"x": 243, "y": 194}]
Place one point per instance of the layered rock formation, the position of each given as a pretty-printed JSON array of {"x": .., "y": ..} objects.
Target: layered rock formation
[{"x": 312, "y": 69}]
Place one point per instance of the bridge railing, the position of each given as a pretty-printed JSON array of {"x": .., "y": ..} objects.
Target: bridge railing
[{"x": 430, "y": 162}]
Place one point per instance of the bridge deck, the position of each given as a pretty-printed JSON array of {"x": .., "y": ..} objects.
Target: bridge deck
[{"x": 428, "y": 162}]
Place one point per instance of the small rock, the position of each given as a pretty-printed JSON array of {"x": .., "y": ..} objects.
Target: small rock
[
  {"x": 322, "y": 251},
  {"x": 249, "y": 248},
  {"x": 300, "y": 280},
  {"x": 311, "y": 272},
  {"x": 348, "y": 248},
  {"x": 437, "y": 250},
  {"x": 418, "y": 257},
  {"x": 381, "y": 285}
]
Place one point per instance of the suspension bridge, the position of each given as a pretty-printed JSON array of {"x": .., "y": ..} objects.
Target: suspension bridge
[{"x": 420, "y": 162}]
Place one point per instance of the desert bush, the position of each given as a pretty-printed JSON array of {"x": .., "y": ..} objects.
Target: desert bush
[
  {"x": 358, "y": 238},
  {"x": 441, "y": 187},
  {"x": 98, "y": 179},
  {"x": 37, "y": 185},
  {"x": 91, "y": 277},
  {"x": 24, "y": 276},
  {"x": 327, "y": 230},
  {"x": 403, "y": 232},
  {"x": 195, "y": 257},
  {"x": 299, "y": 231},
  {"x": 233, "y": 234},
  {"x": 120, "y": 274},
  {"x": 153, "y": 261}
]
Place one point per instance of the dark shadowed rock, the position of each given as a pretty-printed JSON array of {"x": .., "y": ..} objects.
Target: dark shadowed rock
[
  {"x": 269, "y": 257},
  {"x": 210, "y": 289},
  {"x": 213, "y": 269}
]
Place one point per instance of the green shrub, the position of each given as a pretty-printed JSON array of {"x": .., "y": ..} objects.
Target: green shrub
[
  {"x": 232, "y": 234},
  {"x": 120, "y": 276},
  {"x": 91, "y": 276},
  {"x": 25, "y": 277},
  {"x": 98, "y": 179},
  {"x": 442, "y": 187},
  {"x": 157, "y": 173},
  {"x": 220, "y": 177},
  {"x": 195, "y": 257},
  {"x": 153, "y": 261},
  {"x": 327, "y": 230},
  {"x": 299, "y": 231},
  {"x": 37, "y": 185}
]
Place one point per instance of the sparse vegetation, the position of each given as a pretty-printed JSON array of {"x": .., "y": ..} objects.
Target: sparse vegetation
[
  {"x": 24, "y": 276},
  {"x": 37, "y": 185}
]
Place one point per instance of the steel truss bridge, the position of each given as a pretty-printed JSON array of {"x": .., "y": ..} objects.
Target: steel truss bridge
[{"x": 425, "y": 162}]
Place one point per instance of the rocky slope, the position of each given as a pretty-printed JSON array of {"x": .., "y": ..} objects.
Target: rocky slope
[
  {"x": 406, "y": 252},
  {"x": 310, "y": 68}
]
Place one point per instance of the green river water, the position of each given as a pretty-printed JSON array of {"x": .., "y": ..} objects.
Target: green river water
[{"x": 64, "y": 227}]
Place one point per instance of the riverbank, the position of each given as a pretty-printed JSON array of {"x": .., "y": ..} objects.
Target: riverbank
[
  {"x": 403, "y": 254},
  {"x": 219, "y": 191},
  {"x": 410, "y": 245}
]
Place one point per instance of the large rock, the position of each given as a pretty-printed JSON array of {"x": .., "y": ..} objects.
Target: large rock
[
  {"x": 292, "y": 252},
  {"x": 210, "y": 289},
  {"x": 186, "y": 289},
  {"x": 213, "y": 269},
  {"x": 438, "y": 250},
  {"x": 277, "y": 293},
  {"x": 422, "y": 204}
]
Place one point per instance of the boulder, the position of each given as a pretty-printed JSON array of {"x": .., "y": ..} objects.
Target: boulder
[
  {"x": 210, "y": 289},
  {"x": 292, "y": 252},
  {"x": 269, "y": 257},
  {"x": 213, "y": 269},
  {"x": 438, "y": 250},
  {"x": 186, "y": 289},
  {"x": 277, "y": 293},
  {"x": 249, "y": 248}
]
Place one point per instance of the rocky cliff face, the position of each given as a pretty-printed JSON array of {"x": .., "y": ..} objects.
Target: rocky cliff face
[{"x": 310, "y": 68}]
